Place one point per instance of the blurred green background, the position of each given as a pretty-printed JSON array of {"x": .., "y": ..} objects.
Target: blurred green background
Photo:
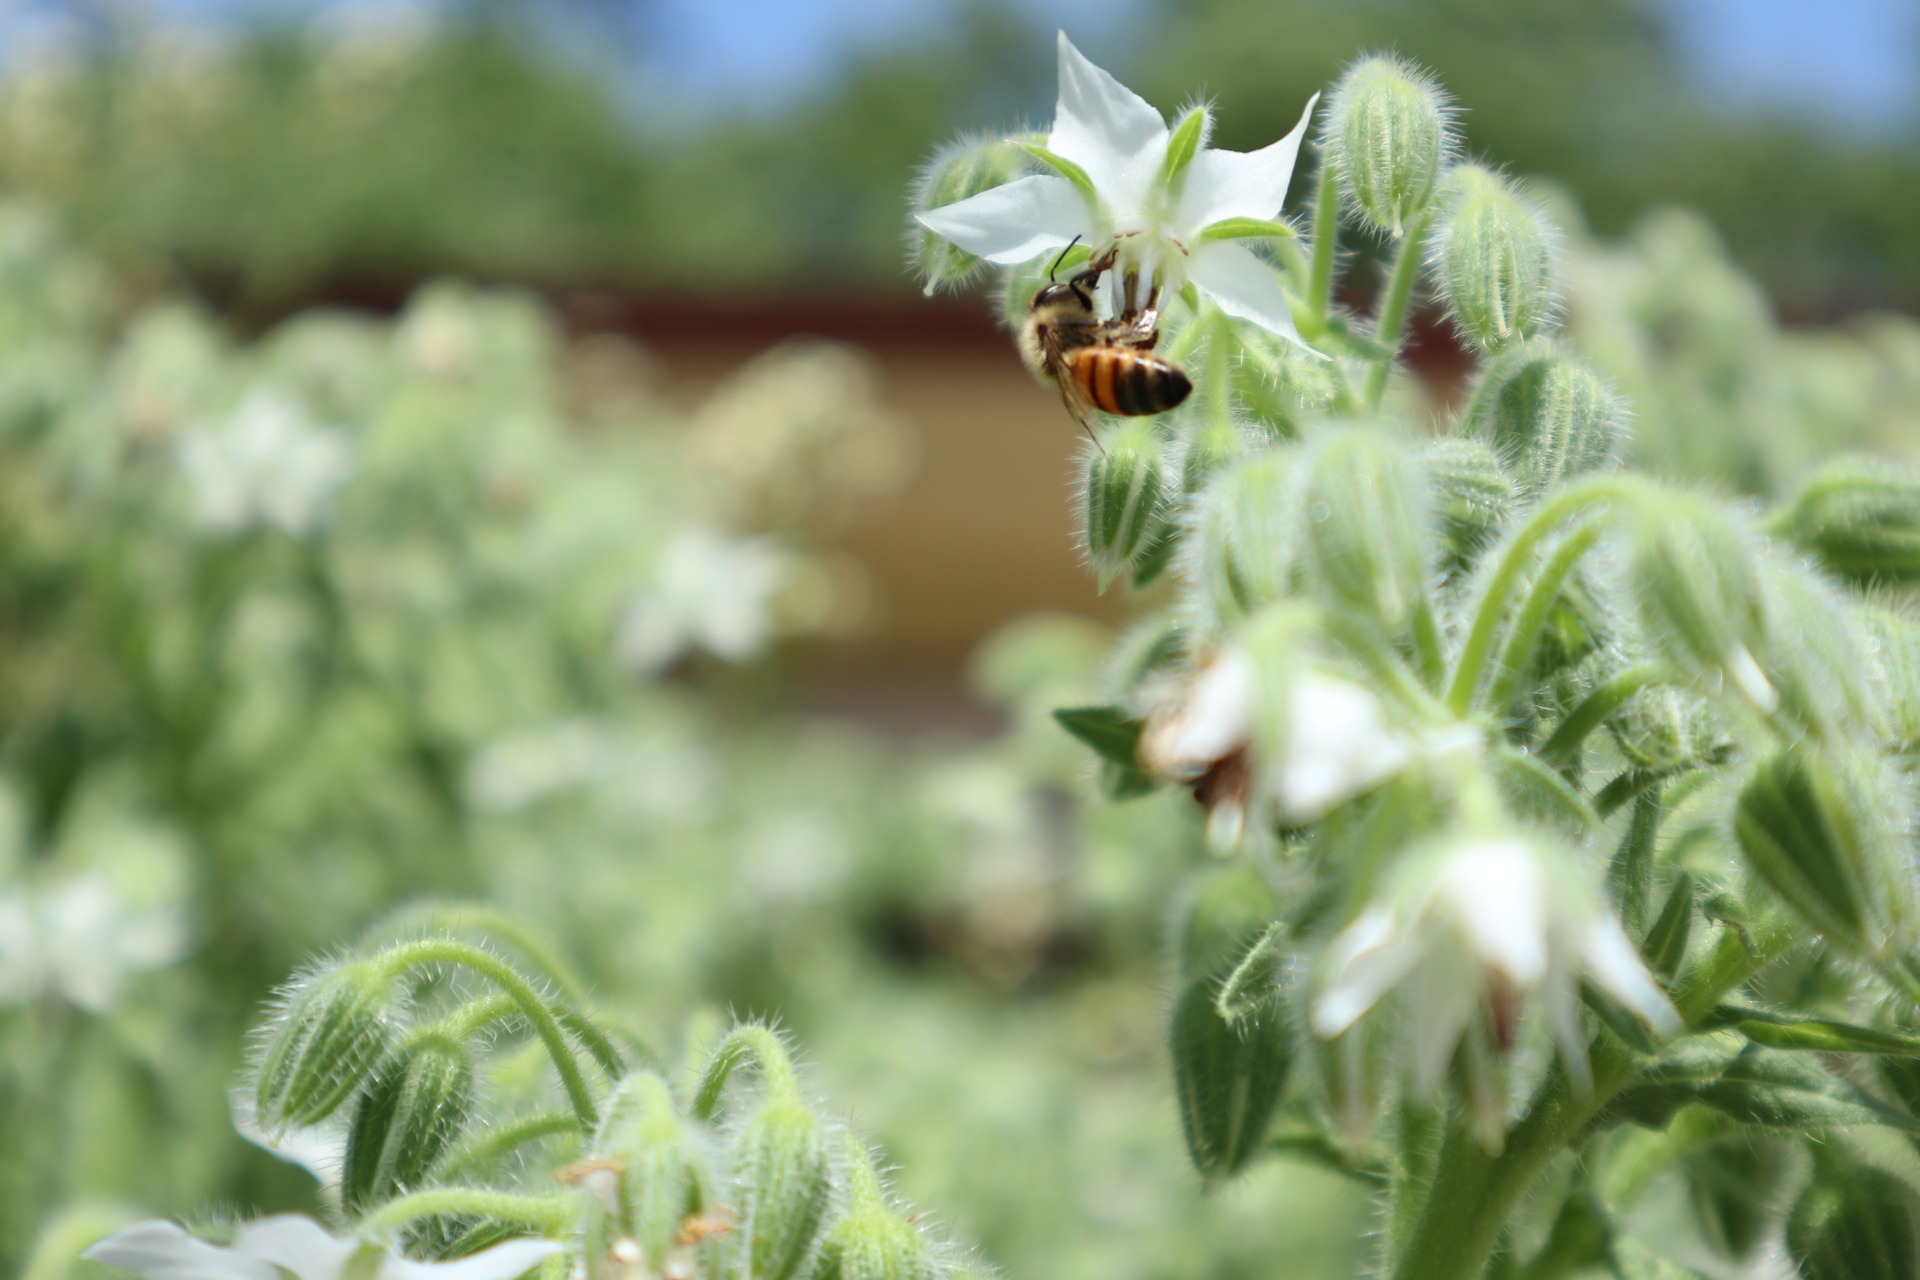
[{"x": 727, "y": 668}]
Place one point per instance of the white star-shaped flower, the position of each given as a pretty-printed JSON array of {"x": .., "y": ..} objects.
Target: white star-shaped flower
[
  {"x": 1170, "y": 223},
  {"x": 1489, "y": 923},
  {"x": 82, "y": 940},
  {"x": 301, "y": 1247},
  {"x": 268, "y": 464},
  {"x": 711, "y": 592}
]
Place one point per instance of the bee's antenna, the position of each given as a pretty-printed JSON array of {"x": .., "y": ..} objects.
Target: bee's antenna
[{"x": 1062, "y": 258}]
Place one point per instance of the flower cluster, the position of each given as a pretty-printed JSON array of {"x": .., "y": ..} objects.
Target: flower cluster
[{"x": 1527, "y": 770}]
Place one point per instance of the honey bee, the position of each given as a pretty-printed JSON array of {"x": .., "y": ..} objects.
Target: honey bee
[{"x": 1098, "y": 364}]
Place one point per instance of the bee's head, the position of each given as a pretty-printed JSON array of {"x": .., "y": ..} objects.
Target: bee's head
[{"x": 1070, "y": 293}]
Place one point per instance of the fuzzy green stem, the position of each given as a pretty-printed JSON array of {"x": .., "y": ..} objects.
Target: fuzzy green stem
[
  {"x": 430, "y": 951},
  {"x": 751, "y": 1041},
  {"x": 1392, "y": 321},
  {"x": 1524, "y": 637},
  {"x": 1630, "y": 875},
  {"x": 549, "y": 1215},
  {"x": 1326, "y": 241},
  {"x": 490, "y": 1146},
  {"x": 1593, "y": 711},
  {"x": 1506, "y": 576}
]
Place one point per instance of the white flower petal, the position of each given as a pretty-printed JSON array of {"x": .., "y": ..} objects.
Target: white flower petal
[
  {"x": 1014, "y": 222},
  {"x": 1441, "y": 997},
  {"x": 1239, "y": 184},
  {"x": 1108, "y": 130},
  {"x": 296, "y": 1243},
  {"x": 1609, "y": 957},
  {"x": 1338, "y": 745},
  {"x": 1243, "y": 286},
  {"x": 162, "y": 1251},
  {"x": 1495, "y": 894},
  {"x": 1213, "y": 719},
  {"x": 321, "y": 1151},
  {"x": 1363, "y": 963},
  {"x": 501, "y": 1262}
]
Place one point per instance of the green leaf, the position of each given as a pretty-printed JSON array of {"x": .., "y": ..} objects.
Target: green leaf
[
  {"x": 1340, "y": 337},
  {"x": 1065, "y": 168},
  {"x": 1779, "y": 1031},
  {"x": 1756, "y": 1086},
  {"x": 1110, "y": 731},
  {"x": 1248, "y": 228},
  {"x": 1184, "y": 145}
]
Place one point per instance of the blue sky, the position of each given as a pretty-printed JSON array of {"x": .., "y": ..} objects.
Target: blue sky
[{"x": 1851, "y": 62}]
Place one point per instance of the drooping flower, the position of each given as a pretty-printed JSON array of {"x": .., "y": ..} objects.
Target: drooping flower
[
  {"x": 1169, "y": 205},
  {"x": 1333, "y": 744},
  {"x": 1484, "y": 925},
  {"x": 82, "y": 940},
  {"x": 298, "y": 1246}
]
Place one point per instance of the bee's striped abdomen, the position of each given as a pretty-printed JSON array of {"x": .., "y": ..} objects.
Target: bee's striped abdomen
[{"x": 1128, "y": 382}]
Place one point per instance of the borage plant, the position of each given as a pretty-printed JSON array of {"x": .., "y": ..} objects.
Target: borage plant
[
  {"x": 471, "y": 1121},
  {"x": 1565, "y": 813}
]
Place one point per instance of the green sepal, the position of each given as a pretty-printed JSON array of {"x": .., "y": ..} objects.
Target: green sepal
[
  {"x": 1065, "y": 168},
  {"x": 1253, "y": 984},
  {"x": 1666, "y": 942},
  {"x": 1110, "y": 731},
  {"x": 1249, "y": 228},
  {"x": 1538, "y": 792},
  {"x": 1183, "y": 146}
]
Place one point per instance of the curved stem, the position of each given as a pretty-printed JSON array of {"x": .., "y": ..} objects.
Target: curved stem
[
  {"x": 1326, "y": 240},
  {"x": 549, "y": 1215},
  {"x": 754, "y": 1041},
  {"x": 1393, "y": 307},
  {"x": 1524, "y": 636},
  {"x": 409, "y": 955},
  {"x": 491, "y": 1146},
  {"x": 1593, "y": 711},
  {"x": 1506, "y": 576}
]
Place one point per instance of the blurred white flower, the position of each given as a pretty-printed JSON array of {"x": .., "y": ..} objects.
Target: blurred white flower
[
  {"x": 298, "y": 1246},
  {"x": 710, "y": 592},
  {"x": 516, "y": 771},
  {"x": 81, "y": 941},
  {"x": 1335, "y": 743},
  {"x": 1485, "y": 924},
  {"x": 1170, "y": 223},
  {"x": 268, "y": 464}
]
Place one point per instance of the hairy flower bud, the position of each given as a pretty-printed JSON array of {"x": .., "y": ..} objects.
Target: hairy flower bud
[
  {"x": 1366, "y": 526},
  {"x": 1242, "y": 552},
  {"x": 334, "y": 1030},
  {"x": 412, "y": 1112},
  {"x": 1828, "y": 846},
  {"x": 871, "y": 1241},
  {"x": 781, "y": 1169},
  {"x": 964, "y": 168},
  {"x": 1494, "y": 259},
  {"x": 1697, "y": 580},
  {"x": 1549, "y": 416},
  {"x": 1472, "y": 493},
  {"x": 1853, "y": 1222},
  {"x": 1860, "y": 519},
  {"x": 1228, "y": 1076},
  {"x": 1390, "y": 132},
  {"x": 1735, "y": 1184},
  {"x": 1126, "y": 500},
  {"x": 661, "y": 1162}
]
